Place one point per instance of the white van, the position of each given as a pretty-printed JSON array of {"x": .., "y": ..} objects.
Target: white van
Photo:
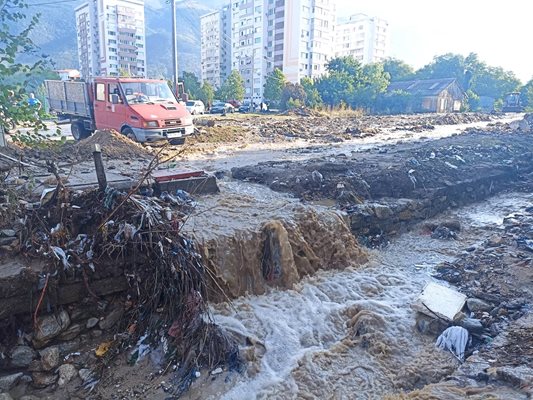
[{"x": 195, "y": 107}]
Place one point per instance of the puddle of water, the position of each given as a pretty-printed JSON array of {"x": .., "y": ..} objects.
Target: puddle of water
[{"x": 352, "y": 331}]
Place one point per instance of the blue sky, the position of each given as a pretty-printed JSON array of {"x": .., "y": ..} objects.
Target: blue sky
[{"x": 500, "y": 32}]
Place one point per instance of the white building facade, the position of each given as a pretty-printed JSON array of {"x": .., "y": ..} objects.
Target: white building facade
[
  {"x": 365, "y": 38},
  {"x": 215, "y": 30},
  {"x": 111, "y": 38},
  {"x": 296, "y": 36}
]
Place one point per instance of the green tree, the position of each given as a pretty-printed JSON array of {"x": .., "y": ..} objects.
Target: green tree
[
  {"x": 207, "y": 94},
  {"x": 293, "y": 95},
  {"x": 232, "y": 88},
  {"x": 193, "y": 87},
  {"x": 335, "y": 88},
  {"x": 526, "y": 95},
  {"x": 398, "y": 70},
  {"x": 275, "y": 82},
  {"x": 313, "y": 98},
  {"x": 448, "y": 65},
  {"x": 473, "y": 102},
  {"x": 124, "y": 73},
  {"x": 494, "y": 82},
  {"x": 15, "y": 41},
  {"x": 347, "y": 64},
  {"x": 373, "y": 81}
]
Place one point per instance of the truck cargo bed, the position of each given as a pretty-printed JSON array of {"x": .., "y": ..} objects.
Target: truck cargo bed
[{"x": 67, "y": 97}]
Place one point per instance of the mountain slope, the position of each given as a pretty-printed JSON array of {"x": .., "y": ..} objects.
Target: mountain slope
[{"x": 56, "y": 33}]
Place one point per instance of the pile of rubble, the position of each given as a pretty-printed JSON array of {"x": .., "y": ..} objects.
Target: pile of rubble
[
  {"x": 104, "y": 273},
  {"x": 117, "y": 146},
  {"x": 488, "y": 325}
]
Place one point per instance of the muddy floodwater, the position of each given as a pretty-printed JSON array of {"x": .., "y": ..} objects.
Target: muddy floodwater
[
  {"x": 350, "y": 334},
  {"x": 225, "y": 157}
]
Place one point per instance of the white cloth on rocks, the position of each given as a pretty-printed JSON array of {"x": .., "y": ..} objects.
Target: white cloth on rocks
[{"x": 454, "y": 339}]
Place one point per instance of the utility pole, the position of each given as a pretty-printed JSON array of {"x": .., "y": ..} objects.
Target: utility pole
[{"x": 174, "y": 47}]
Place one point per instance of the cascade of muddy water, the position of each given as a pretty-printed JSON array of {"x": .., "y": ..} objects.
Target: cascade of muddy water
[{"x": 349, "y": 334}]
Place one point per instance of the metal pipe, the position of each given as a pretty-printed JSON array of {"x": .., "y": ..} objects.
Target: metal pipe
[{"x": 174, "y": 47}]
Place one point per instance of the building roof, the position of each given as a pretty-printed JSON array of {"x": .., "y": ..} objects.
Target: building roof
[{"x": 423, "y": 87}]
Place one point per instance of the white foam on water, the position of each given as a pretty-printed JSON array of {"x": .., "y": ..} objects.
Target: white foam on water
[{"x": 303, "y": 328}]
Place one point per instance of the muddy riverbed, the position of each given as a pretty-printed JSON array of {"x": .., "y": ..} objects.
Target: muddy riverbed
[
  {"x": 318, "y": 314},
  {"x": 347, "y": 334}
]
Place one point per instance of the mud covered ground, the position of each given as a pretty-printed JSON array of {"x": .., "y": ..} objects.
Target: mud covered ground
[{"x": 337, "y": 329}]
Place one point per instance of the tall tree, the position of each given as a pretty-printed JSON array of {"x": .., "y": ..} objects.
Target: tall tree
[
  {"x": 448, "y": 65},
  {"x": 192, "y": 84},
  {"x": 293, "y": 95},
  {"x": 347, "y": 64},
  {"x": 398, "y": 70},
  {"x": 207, "y": 94},
  {"x": 275, "y": 82},
  {"x": 313, "y": 98},
  {"x": 15, "y": 40},
  {"x": 494, "y": 82},
  {"x": 373, "y": 80},
  {"x": 232, "y": 88}
]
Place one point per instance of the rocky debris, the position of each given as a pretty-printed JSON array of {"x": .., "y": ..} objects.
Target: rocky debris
[
  {"x": 72, "y": 331},
  {"x": 8, "y": 381},
  {"x": 50, "y": 358},
  {"x": 66, "y": 373},
  {"x": 443, "y": 232},
  {"x": 85, "y": 374},
  {"x": 22, "y": 356},
  {"x": 91, "y": 322},
  {"x": 43, "y": 379},
  {"x": 111, "y": 319},
  {"x": 50, "y": 326},
  {"x": 476, "y": 305}
]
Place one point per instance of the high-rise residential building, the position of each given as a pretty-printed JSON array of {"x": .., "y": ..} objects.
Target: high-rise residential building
[
  {"x": 364, "y": 38},
  {"x": 215, "y": 30},
  {"x": 111, "y": 38},
  {"x": 296, "y": 36}
]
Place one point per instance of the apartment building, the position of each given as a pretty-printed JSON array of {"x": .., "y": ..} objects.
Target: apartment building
[
  {"x": 296, "y": 36},
  {"x": 111, "y": 38},
  {"x": 364, "y": 38},
  {"x": 215, "y": 30}
]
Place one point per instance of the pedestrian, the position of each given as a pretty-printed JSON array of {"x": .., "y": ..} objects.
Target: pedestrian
[{"x": 34, "y": 104}]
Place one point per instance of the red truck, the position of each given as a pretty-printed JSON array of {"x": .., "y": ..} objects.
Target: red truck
[{"x": 144, "y": 110}]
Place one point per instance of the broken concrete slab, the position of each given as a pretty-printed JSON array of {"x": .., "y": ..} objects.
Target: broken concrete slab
[
  {"x": 440, "y": 301},
  {"x": 194, "y": 185}
]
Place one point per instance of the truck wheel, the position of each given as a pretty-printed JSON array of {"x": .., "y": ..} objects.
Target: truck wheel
[
  {"x": 128, "y": 132},
  {"x": 78, "y": 131}
]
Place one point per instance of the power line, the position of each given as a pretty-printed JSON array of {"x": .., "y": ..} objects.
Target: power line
[{"x": 52, "y": 3}]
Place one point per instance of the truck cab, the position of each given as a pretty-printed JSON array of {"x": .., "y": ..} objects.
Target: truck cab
[{"x": 145, "y": 110}]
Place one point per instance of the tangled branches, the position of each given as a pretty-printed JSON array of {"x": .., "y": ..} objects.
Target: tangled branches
[{"x": 167, "y": 278}]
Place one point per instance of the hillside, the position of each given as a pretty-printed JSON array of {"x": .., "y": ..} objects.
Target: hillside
[{"x": 56, "y": 33}]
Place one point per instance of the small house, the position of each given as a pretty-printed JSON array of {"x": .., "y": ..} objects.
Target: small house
[{"x": 432, "y": 95}]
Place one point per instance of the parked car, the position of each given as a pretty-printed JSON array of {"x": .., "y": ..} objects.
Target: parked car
[
  {"x": 245, "y": 106},
  {"x": 219, "y": 107},
  {"x": 195, "y": 107},
  {"x": 235, "y": 103}
]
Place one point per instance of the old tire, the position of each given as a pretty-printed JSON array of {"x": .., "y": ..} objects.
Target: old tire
[
  {"x": 177, "y": 141},
  {"x": 78, "y": 131},
  {"x": 128, "y": 132}
]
